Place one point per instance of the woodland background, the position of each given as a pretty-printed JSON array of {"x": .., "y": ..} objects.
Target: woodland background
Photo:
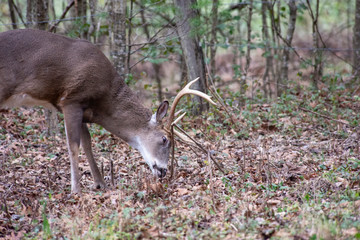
[{"x": 285, "y": 133}]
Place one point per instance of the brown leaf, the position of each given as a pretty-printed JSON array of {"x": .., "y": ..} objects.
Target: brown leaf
[
  {"x": 273, "y": 202},
  {"x": 182, "y": 191},
  {"x": 156, "y": 187}
]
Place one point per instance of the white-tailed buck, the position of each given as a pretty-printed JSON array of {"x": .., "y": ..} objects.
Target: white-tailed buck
[{"x": 75, "y": 77}]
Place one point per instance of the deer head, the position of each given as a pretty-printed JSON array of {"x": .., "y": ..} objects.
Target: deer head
[{"x": 153, "y": 142}]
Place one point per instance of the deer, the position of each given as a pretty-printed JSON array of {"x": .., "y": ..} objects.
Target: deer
[{"x": 73, "y": 76}]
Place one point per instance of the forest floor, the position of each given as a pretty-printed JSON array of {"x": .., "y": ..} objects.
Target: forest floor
[{"x": 291, "y": 171}]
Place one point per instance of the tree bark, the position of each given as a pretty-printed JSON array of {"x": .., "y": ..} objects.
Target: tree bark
[
  {"x": 12, "y": 14},
  {"x": 37, "y": 14},
  {"x": 243, "y": 83},
  {"x": 275, "y": 32},
  {"x": 268, "y": 53},
  {"x": 78, "y": 12},
  {"x": 213, "y": 40},
  {"x": 356, "y": 41},
  {"x": 118, "y": 53},
  {"x": 30, "y": 14},
  {"x": 317, "y": 54},
  {"x": 283, "y": 84},
  {"x": 193, "y": 53},
  {"x": 93, "y": 6}
]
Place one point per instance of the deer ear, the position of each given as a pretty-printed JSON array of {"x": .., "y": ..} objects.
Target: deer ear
[{"x": 162, "y": 110}]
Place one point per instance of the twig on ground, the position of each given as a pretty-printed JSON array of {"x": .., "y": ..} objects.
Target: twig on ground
[
  {"x": 324, "y": 116},
  {"x": 6, "y": 210},
  {"x": 112, "y": 173},
  {"x": 211, "y": 180}
]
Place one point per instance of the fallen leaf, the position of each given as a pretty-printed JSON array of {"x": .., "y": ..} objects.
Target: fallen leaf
[
  {"x": 182, "y": 191},
  {"x": 350, "y": 232},
  {"x": 273, "y": 202}
]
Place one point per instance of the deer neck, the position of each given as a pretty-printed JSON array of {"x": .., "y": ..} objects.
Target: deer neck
[{"x": 121, "y": 112}]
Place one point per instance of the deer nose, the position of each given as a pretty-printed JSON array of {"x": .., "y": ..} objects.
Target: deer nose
[{"x": 162, "y": 172}]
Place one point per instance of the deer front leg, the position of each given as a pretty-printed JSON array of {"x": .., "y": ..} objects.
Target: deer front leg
[
  {"x": 73, "y": 116},
  {"x": 86, "y": 144}
]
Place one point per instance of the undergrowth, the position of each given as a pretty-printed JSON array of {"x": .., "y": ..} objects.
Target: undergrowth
[{"x": 291, "y": 171}]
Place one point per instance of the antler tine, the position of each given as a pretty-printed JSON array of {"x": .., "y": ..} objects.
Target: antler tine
[{"x": 183, "y": 92}]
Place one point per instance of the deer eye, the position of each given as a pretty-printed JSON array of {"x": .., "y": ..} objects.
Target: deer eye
[{"x": 164, "y": 139}]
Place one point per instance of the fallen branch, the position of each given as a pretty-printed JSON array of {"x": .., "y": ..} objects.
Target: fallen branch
[
  {"x": 112, "y": 173},
  {"x": 211, "y": 181},
  {"x": 324, "y": 116}
]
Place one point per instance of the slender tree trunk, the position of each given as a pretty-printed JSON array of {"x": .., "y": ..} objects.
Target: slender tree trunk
[
  {"x": 52, "y": 14},
  {"x": 42, "y": 14},
  {"x": 37, "y": 14},
  {"x": 129, "y": 34},
  {"x": 93, "y": 7},
  {"x": 12, "y": 14},
  {"x": 268, "y": 53},
  {"x": 243, "y": 84},
  {"x": 79, "y": 13},
  {"x": 193, "y": 53},
  {"x": 276, "y": 41},
  {"x": 317, "y": 63},
  {"x": 213, "y": 40},
  {"x": 183, "y": 70},
  {"x": 356, "y": 41},
  {"x": 283, "y": 85},
  {"x": 117, "y": 10},
  {"x": 31, "y": 14}
]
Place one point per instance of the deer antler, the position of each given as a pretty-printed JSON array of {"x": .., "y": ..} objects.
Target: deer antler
[{"x": 183, "y": 92}]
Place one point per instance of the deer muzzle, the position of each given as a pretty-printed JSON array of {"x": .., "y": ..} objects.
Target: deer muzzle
[{"x": 159, "y": 172}]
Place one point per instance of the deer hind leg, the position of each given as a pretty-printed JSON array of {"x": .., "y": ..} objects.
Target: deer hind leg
[
  {"x": 86, "y": 144},
  {"x": 73, "y": 116}
]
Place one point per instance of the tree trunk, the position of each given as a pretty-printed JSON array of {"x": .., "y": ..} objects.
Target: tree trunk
[
  {"x": 81, "y": 10},
  {"x": 117, "y": 10},
  {"x": 213, "y": 40},
  {"x": 31, "y": 14},
  {"x": 356, "y": 41},
  {"x": 79, "y": 13},
  {"x": 37, "y": 14},
  {"x": 93, "y": 6},
  {"x": 12, "y": 14},
  {"x": 268, "y": 53},
  {"x": 275, "y": 31},
  {"x": 317, "y": 54},
  {"x": 193, "y": 53},
  {"x": 283, "y": 84},
  {"x": 243, "y": 83}
]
